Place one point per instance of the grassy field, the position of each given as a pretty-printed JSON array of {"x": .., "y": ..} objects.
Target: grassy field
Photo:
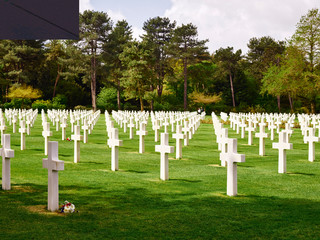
[{"x": 133, "y": 203}]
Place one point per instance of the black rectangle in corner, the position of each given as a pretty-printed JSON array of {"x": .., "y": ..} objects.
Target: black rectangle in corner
[{"x": 39, "y": 19}]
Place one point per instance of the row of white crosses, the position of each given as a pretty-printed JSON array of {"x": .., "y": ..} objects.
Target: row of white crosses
[
  {"x": 228, "y": 155},
  {"x": 308, "y": 123},
  {"x": 158, "y": 119}
]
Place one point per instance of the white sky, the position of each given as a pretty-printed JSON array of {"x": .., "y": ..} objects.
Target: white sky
[{"x": 224, "y": 22}]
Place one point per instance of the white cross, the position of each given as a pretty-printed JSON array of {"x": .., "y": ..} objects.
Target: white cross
[
  {"x": 114, "y": 143},
  {"x": 14, "y": 120},
  {"x": 250, "y": 129},
  {"x": 282, "y": 146},
  {"x": 2, "y": 128},
  {"x": 85, "y": 128},
  {"x": 23, "y": 132},
  {"x": 178, "y": 136},
  {"x": 53, "y": 164},
  {"x": 166, "y": 124},
  {"x": 311, "y": 139},
  {"x": 131, "y": 126},
  {"x": 261, "y": 135},
  {"x": 243, "y": 125},
  {"x": 232, "y": 158},
  {"x": 57, "y": 120},
  {"x": 63, "y": 126},
  {"x": 164, "y": 150},
  {"x": 76, "y": 137},
  {"x": 272, "y": 127},
  {"x": 186, "y": 130},
  {"x": 224, "y": 144},
  {"x": 288, "y": 131},
  {"x": 28, "y": 123},
  {"x": 156, "y": 130},
  {"x": 46, "y": 133},
  {"x": 142, "y": 132},
  {"x": 6, "y": 153}
]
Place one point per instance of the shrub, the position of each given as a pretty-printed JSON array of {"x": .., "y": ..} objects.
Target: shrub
[
  {"x": 107, "y": 99},
  {"x": 42, "y": 104},
  {"x": 59, "y": 102}
]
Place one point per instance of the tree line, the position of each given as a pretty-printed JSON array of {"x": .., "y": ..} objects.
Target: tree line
[{"x": 169, "y": 68}]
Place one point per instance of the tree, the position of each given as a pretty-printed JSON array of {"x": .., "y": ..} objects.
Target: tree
[
  {"x": 95, "y": 28},
  {"x": 157, "y": 37},
  {"x": 54, "y": 53},
  {"x": 307, "y": 40},
  {"x": 137, "y": 74},
  {"x": 186, "y": 46},
  {"x": 287, "y": 78},
  {"x": 120, "y": 36},
  {"x": 307, "y": 37},
  {"x": 227, "y": 62}
]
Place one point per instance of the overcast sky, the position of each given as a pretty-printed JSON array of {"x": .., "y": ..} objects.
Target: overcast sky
[{"x": 224, "y": 22}]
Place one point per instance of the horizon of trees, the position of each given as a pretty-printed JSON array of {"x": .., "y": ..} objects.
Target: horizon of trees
[{"x": 168, "y": 69}]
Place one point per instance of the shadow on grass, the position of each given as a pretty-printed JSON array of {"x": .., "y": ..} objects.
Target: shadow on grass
[
  {"x": 139, "y": 213},
  {"x": 134, "y": 171},
  {"x": 300, "y": 173},
  {"x": 185, "y": 180}
]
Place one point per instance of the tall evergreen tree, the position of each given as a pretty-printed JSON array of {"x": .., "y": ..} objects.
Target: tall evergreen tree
[
  {"x": 95, "y": 28},
  {"x": 158, "y": 33},
  {"x": 119, "y": 38},
  {"x": 186, "y": 47}
]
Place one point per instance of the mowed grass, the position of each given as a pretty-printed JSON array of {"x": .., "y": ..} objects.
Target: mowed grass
[{"x": 133, "y": 203}]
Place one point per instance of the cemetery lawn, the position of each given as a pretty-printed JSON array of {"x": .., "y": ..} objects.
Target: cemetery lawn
[{"x": 133, "y": 203}]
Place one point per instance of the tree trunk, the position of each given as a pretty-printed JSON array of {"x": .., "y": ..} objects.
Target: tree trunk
[
  {"x": 185, "y": 99},
  {"x": 141, "y": 103},
  {"x": 93, "y": 77},
  {"x": 56, "y": 82},
  {"x": 232, "y": 91},
  {"x": 278, "y": 99},
  {"x": 151, "y": 102},
  {"x": 313, "y": 107},
  {"x": 291, "y": 104},
  {"x": 118, "y": 94}
]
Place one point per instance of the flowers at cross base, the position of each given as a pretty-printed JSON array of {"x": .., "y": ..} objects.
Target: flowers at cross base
[
  {"x": 67, "y": 207},
  {"x": 68, "y": 139}
]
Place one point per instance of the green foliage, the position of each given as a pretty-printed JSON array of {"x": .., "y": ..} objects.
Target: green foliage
[
  {"x": 59, "y": 102},
  {"x": 107, "y": 99},
  {"x": 42, "y": 104}
]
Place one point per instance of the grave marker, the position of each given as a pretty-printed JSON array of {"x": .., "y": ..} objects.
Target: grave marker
[
  {"x": 53, "y": 164},
  {"x": 232, "y": 158},
  {"x": 76, "y": 137},
  {"x": 6, "y": 153},
  {"x": 164, "y": 150},
  {"x": 282, "y": 146},
  {"x": 114, "y": 143}
]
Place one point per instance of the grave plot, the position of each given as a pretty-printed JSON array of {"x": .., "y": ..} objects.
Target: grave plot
[{"x": 134, "y": 201}]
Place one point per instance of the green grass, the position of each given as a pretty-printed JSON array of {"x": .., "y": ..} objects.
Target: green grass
[{"x": 133, "y": 203}]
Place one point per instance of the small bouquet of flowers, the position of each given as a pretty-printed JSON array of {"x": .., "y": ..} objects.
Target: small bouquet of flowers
[
  {"x": 68, "y": 139},
  {"x": 67, "y": 207}
]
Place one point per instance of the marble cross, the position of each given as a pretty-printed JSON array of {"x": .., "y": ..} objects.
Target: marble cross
[
  {"x": 114, "y": 143},
  {"x": 311, "y": 139},
  {"x": 76, "y": 137},
  {"x": 232, "y": 158},
  {"x": 282, "y": 146},
  {"x": 142, "y": 132},
  {"x": 46, "y": 133},
  {"x": 262, "y": 135},
  {"x": 178, "y": 136},
  {"x": 53, "y": 164},
  {"x": 164, "y": 150},
  {"x": 6, "y": 152}
]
